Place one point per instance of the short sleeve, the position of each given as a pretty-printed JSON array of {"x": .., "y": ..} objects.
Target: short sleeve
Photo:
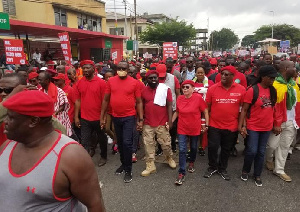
[
  {"x": 177, "y": 85},
  {"x": 248, "y": 96},
  {"x": 202, "y": 104},
  {"x": 137, "y": 91},
  {"x": 209, "y": 95}
]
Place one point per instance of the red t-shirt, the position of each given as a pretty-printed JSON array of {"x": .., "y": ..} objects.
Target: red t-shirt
[
  {"x": 176, "y": 81},
  {"x": 261, "y": 116},
  {"x": 71, "y": 99},
  {"x": 189, "y": 114},
  {"x": 91, "y": 94},
  {"x": 225, "y": 105},
  {"x": 238, "y": 78},
  {"x": 123, "y": 94},
  {"x": 155, "y": 115}
]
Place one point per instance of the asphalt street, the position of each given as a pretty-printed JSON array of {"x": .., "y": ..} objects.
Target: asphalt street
[{"x": 159, "y": 193}]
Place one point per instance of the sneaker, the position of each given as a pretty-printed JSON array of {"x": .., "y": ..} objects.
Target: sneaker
[
  {"x": 209, "y": 172},
  {"x": 270, "y": 165},
  {"x": 158, "y": 152},
  {"x": 109, "y": 140},
  {"x": 180, "y": 179},
  {"x": 244, "y": 176},
  {"x": 284, "y": 177},
  {"x": 127, "y": 177},
  {"x": 224, "y": 175},
  {"x": 120, "y": 170},
  {"x": 115, "y": 148},
  {"x": 258, "y": 181},
  {"x": 134, "y": 159},
  {"x": 201, "y": 151},
  {"x": 289, "y": 156},
  {"x": 102, "y": 162},
  {"x": 191, "y": 168}
]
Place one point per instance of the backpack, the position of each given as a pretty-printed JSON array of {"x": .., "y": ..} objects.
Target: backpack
[{"x": 273, "y": 96}]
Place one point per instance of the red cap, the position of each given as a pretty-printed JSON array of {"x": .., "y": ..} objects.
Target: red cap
[
  {"x": 86, "y": 62},
  {"x": 162, "y": 70},
  {"x": 51, "y": 71},
  {"x": 152, "y": 72},
  {"x": 189, "y": 82},
  {"x": 230, "y": 69},
  {"x": 213, "y": 61},
  {"x": 30, "y": 103},
  {"x": 183, "y": 61},
  {"x": 60, "y": 76},
  {"x": 32, "y": 75},
  {"x": 153, "y": 65},
  {"x": 35, "y": 69}
]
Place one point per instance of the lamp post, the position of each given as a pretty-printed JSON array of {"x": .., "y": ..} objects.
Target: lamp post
[{"x": 272, "y": 24}]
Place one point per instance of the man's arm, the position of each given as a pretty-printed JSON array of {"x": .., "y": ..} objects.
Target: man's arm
[
  {"x": 77, "y": 109},
  {"x": 170, "y": 114},
  {"x": 104, "y": 106},
  {"x": 140, "y": 112},
  {"x": 84, "y": 186}
]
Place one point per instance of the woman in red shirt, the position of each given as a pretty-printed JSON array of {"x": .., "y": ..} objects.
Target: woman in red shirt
[
  {"x": 256, "y": 121},
  {"x": 190, "y": 105},
  {"x": 202, "y": 83}
]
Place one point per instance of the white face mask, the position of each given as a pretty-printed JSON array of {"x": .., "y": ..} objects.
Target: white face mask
[{"x": 122, "y": 73}]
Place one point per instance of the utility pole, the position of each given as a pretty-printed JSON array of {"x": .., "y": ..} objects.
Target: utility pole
[
  {"x": 116, "y": 19},
  {"x": 136, "y": 29},
  {"x": 125, "y": 3}
]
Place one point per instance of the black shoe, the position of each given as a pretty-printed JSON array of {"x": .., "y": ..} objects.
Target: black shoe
[
  {"x": 120, "y": 170},
  {"x": 224, "y": 175},
  {"x": 258, "y": 181},
  {"x": 127, "y": 177},
  {"x": 158, "y": 152},
  {"x": 209, "y": 172},
  {"x": 289, "y": 156},
  {"x": 180, "y": 179},
  {"x": 244, "y": 176},
  {"x": 102, "y": 162},
  {"x": 92, "y": 152},
  {"x": 201, "y": 151}
]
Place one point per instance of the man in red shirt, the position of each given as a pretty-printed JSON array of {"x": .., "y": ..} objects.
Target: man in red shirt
[
  {"x": 158, "y": 119},
  {"x": 223, "y": 100},
  {"x": 124, "y": 95},
  {"x": 89, "y": 95}
]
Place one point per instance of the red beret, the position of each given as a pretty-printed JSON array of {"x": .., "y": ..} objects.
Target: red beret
[
  {"x": 31, "y": 103},
  {"x": 162, "y": 70},
  {"x": 152, "y": 72},
  {"x": 60, "y": 76},
  {"x": 32, "y": 75},
  {"x": 213, "y": 61},
  {"x": 51, "y": 71},
  {"x": 183, "y": 61},
  {"x": 230, "y": 69},
  {"x": 190, "y": 82},
  {"x": 86, "y": 62}
]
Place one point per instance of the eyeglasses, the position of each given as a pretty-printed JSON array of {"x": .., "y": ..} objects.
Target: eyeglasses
[
  {"x": 122, "y": 69},
  {"x": 225, "y": 74},
  {"x": 6, "y": 90},
  {"x": 186, "y": 87}
]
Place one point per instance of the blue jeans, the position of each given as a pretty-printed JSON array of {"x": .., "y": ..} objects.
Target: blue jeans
[
  {"x": 255, "y": 151},
  {"x": 182, "y": 140},
  {"x": 124, "y": 131}
]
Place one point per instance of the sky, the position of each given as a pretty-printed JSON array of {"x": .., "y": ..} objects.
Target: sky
[{"x": 243, "y": 17}]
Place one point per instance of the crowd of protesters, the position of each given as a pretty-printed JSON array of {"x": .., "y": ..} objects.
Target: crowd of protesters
[{"x": 190, "y": 104}]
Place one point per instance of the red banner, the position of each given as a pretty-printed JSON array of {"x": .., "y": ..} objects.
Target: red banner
[
  {"x": 170, "y": 50},
  {"x": 14, "y": 51},
  {"x": 65, "y": 46}
]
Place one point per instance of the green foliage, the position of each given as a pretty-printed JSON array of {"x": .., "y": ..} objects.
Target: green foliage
[
  {"x": 174, "y": 31},
  {"x": 249, "y": 41},
  {"x": 223, "y": 39},
  {"x": 281, "y": 32}
]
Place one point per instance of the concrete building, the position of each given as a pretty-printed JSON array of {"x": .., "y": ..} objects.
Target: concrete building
[
  {"x": 157, "y": 18},
  {"x": 129, "y": 31},
  {"x": 39, "y": 22}
]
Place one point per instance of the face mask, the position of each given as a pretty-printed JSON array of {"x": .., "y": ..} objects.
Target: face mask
[{"x": 122, "y": 73}]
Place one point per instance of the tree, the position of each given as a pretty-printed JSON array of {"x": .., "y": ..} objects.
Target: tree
[
  {"x": 249, "y": 41},
  {"x": 223, "y": 39},
  {"x": 280, "y": 32},
  {"x": 174, "y": 31}
]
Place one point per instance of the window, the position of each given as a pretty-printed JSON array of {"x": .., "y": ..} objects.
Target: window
[
  {"x": 9, "y": 7},
  {"x": 116, "y": 31},
  {"x": 60, "y": 17},
  {"x": 87, "y": 22},
  {"x": 139, "y": 29}
]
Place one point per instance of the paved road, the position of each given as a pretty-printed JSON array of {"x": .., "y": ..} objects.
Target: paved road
[{"x": 159, "y": 193}]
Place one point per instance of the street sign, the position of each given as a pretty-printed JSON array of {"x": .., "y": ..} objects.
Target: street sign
[
  {"x": 108, "y": 44},
  {"x": 4, "y": 21}
]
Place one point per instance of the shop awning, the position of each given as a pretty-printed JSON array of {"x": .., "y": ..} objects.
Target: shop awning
[{"x": 38, "y": 30}]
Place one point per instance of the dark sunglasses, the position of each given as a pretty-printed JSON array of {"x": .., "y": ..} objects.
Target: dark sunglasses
[
  {"x": 122, "y": 69},
  {"x": 225, "y": 74},
  {"x": 6, "y": 90},
  {"x": 186, "y": 87}
]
